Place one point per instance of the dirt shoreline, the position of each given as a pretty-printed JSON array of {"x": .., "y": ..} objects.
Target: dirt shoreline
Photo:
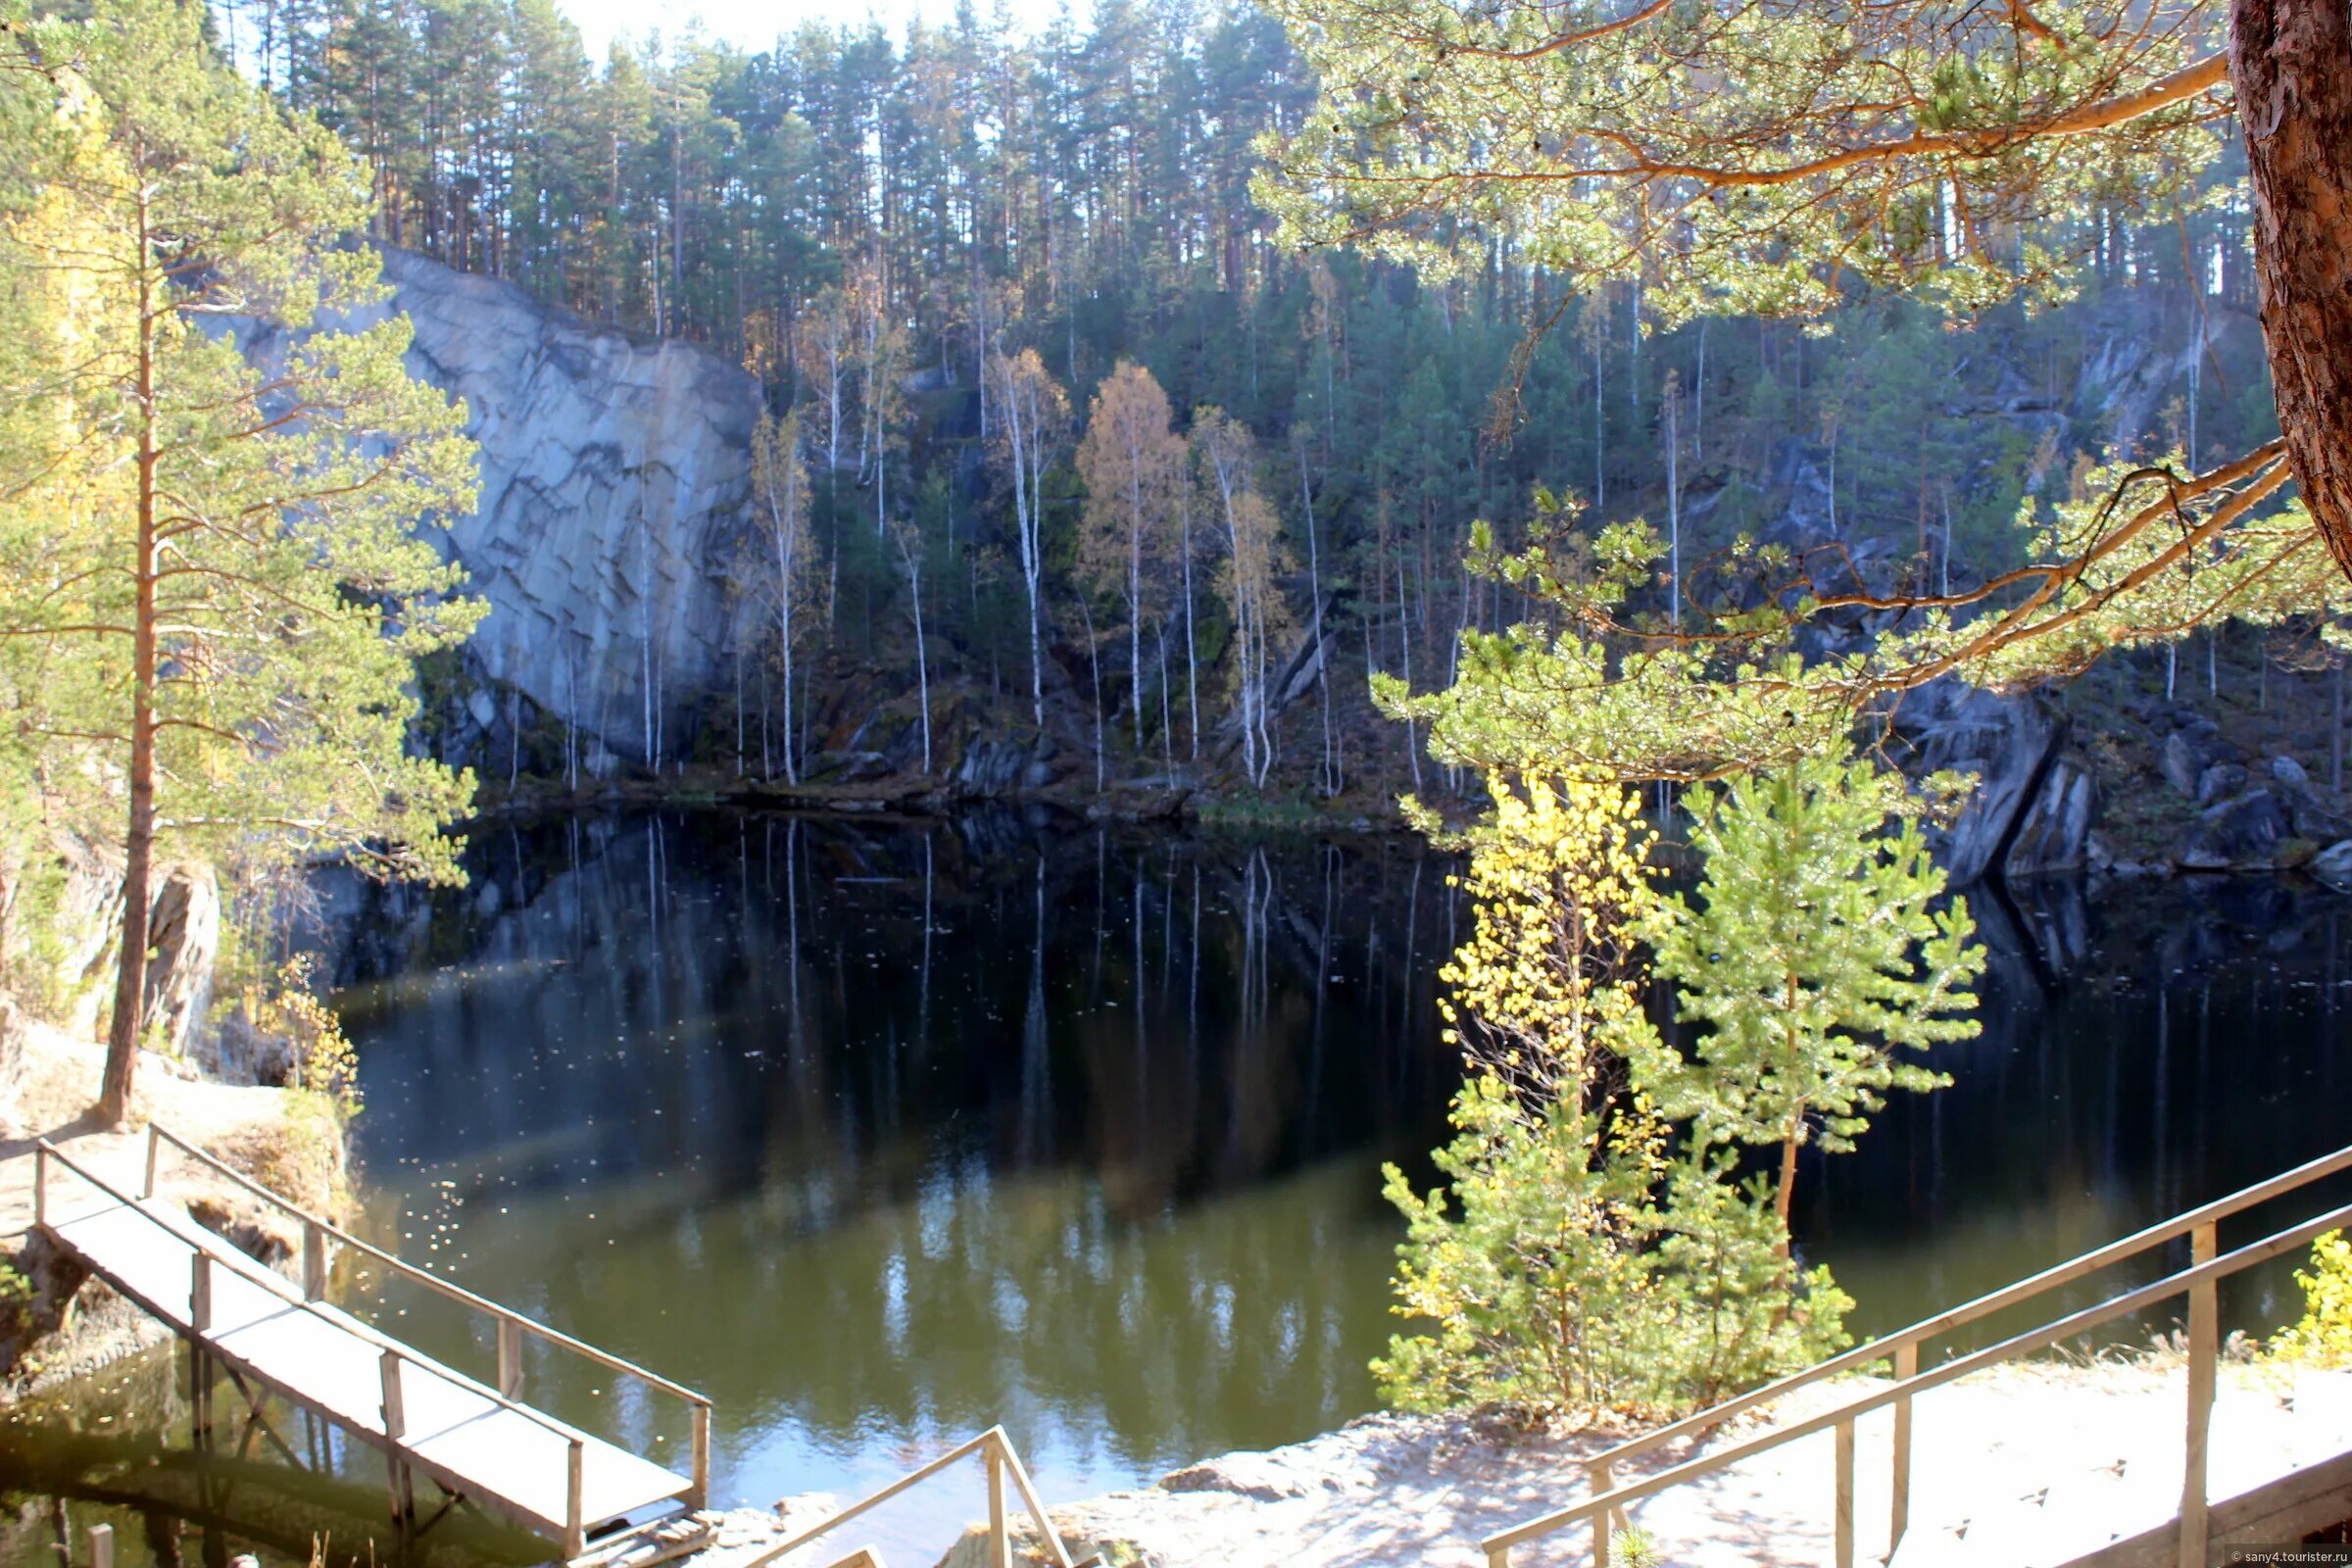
[{"x": 56, "y": 1324}]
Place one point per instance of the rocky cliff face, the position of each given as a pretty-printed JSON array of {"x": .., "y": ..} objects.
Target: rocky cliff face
[
  {"x": 2033, "y": 807},
  {"x": 614, "y": 479},
  {"x": 615, "y": 500}
]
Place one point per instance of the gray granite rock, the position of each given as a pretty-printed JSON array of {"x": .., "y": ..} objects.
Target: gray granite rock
[
  {"x": 2031, "y": 810},
  {"x": 2054, "y": 829},
  {"x": 184, "y": 936},
  {"x": 2244, "y": 832},
  {"x": 614, "y": 486},
  {"x": 2332, "y": 867},
  {"x": 2219, "y": 782},
  {"x": 2182, "y": 763}
]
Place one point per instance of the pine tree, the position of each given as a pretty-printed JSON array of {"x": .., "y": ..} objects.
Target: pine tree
[
  {"x": 1802, "y": 155},
  {"x": 1585, "y": 1251},
  {"x": 237, "y": 593},
  {"x": 1817, "y": 954}
]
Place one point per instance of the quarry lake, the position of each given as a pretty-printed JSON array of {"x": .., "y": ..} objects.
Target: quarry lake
[{"x": 881, "y": 1132}]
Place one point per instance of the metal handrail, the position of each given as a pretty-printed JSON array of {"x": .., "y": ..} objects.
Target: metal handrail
[
  {"x": 1004, "y": 1462},
  {"x": 2197, "y": 1223},
  {"x": 255, "y": 1273},
  {"x": 393, "y": 1353},
  {"x": 2198, "y": 1276},
  {"x": 510, "y": 1324},
  {"x": 2007, "y": 1295},
  {"x": 424, "y": 1277}
]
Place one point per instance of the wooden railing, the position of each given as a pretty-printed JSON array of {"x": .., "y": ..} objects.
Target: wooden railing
[
  {"x": 509, "y": 1326},
  {"x": 1004, "y": 1465},
  {"x": 1605, "y": 1508},
  {"x": 317, "y": 1233},
  {"x": 391, "y": 1352}
]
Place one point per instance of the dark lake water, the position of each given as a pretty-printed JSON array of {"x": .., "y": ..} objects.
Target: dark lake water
[{"x": 884, "y": 1132}]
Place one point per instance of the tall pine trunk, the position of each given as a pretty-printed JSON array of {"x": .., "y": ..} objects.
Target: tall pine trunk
[
  {"x": 138, "y": 841},
  {"x": 2291, "y": 63}
]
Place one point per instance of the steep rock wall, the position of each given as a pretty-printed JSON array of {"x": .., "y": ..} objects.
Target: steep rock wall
[
  {"x": 615, "y": 476},
  {"x": 615, "y": 502},
  {"x": 2032, "y": 809}
]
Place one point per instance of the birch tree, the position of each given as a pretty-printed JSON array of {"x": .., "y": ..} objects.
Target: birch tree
[
  {"x": 881, "y": 362},
  {"x": 828, "y": 342},
  {"x": 908, "y": 541},
  {"x": 1228, "y": 456},
  {"x": 780, "y": 484},
  {"x": 1130, "y": 461},
  {"x": 1032, "y": 417}
]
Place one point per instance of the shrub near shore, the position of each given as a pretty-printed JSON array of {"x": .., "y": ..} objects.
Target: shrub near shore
[{"x": 1597, "y": 1245}]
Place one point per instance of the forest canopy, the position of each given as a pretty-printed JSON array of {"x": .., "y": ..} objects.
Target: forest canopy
[
  {"x": 1785, "y": 160},
  {"x": 1684, "y": 198}
]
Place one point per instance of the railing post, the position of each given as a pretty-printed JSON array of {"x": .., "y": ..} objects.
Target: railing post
[
  {"x": 1906, "y": 1367},
  {"x": 1000, "y": 1543},
  {"x": 40, "y": 1184},
  {"x": 314, "y": 1260},
  {"x": 154, "y": 1149},
  {"x": 102, "y": 1547},
  {"x": 396, "y": 1423},
  {"x": 1599, "y": 1476},
  {"x": 200, "y": 1393},
  {"x": 700, "y": 1497},
  {"x": 575, "y": 1528},
  {"x": 510, "y": 1358},
  {"x": 1498, "y": 1557},
  {"x": 200, "y": 1292},
  {"x": 2204, "y": 1336},
  {"x": 1845, "y": 1493},
  {"x": 396, "y": 1416}
]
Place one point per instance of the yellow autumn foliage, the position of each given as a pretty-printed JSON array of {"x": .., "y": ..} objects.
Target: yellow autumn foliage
[
  {"x": 2323, "y": 1337},
  {"x": 1579, "y": 1256},
  {"x": 1560, "y": 878}
]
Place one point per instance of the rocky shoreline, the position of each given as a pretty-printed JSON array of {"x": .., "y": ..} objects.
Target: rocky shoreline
[{"x": 2043, "y": 1454}]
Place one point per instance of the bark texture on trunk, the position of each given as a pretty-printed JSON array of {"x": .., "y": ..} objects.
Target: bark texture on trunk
[
  {"x": 2291, "y": 64},
  {"x": 138, "y": 839}
]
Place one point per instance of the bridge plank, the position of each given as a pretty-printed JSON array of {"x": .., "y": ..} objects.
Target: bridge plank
[{"x": 330, "y": 1362}]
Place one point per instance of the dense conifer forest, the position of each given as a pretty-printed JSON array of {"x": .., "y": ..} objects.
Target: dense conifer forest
[{"x": 868, "y": 222}]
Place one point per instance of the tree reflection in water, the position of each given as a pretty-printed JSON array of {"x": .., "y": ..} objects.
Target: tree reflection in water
[{"x": 883, "y": 1132}]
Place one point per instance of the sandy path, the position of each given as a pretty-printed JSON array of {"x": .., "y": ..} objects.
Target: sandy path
[
  {"x": 247, "y": 1127},
  {"x": 61, "y": 1082},
  {"x": 2016, "y": 1467}
]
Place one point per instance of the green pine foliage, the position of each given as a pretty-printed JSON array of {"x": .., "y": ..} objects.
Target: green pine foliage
[
  {"x": 212, "y": 592},
  {"x": 1594, "y": 1246},
  {"x": 1549, "y": 1276},
  {"x": 1820, "y": 957},
  {"x": 1086, "y": 192}
]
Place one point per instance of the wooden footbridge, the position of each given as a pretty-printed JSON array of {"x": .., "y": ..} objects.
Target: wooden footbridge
[{"x": 477, "y": 1442}]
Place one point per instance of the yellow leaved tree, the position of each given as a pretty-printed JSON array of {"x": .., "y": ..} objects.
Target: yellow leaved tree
[{"x": 1582, "y": 1255}]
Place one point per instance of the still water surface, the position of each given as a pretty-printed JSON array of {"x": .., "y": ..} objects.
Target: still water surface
[{"x": 882, "y": 1133}]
